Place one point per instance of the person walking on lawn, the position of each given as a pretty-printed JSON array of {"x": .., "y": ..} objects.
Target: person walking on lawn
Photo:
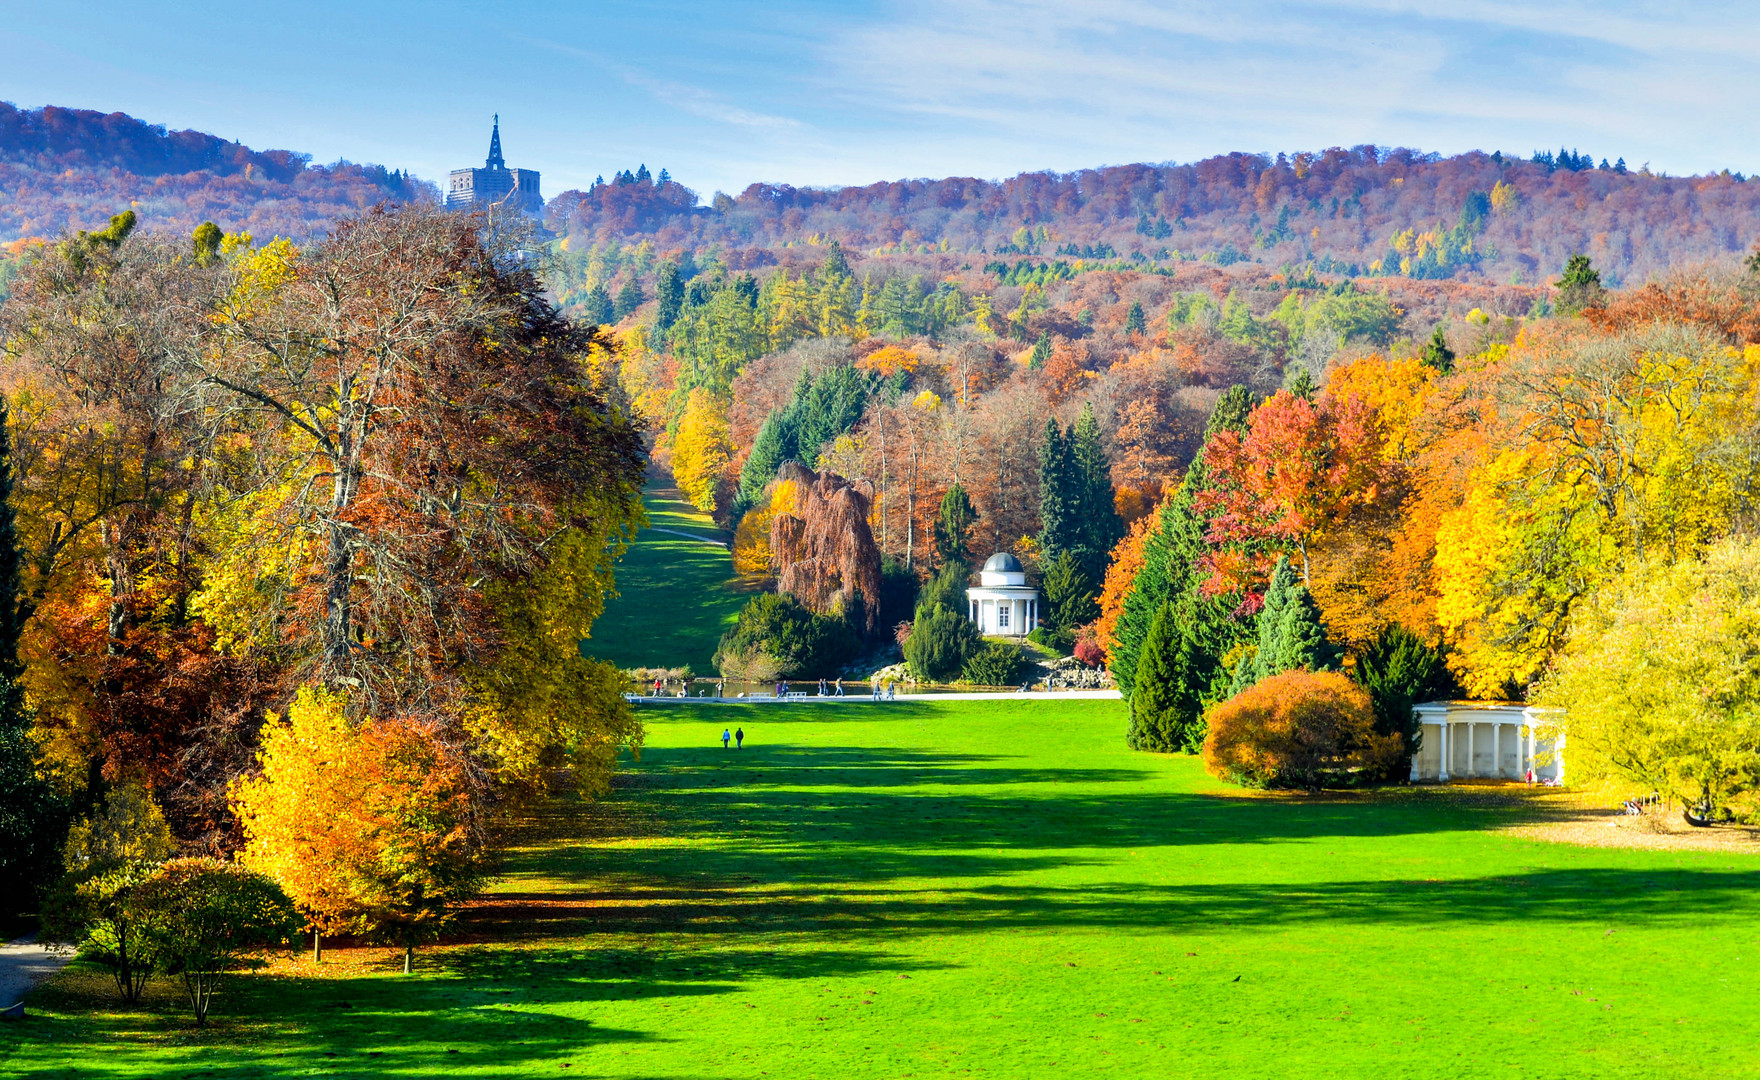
[
  {"x": 840, "y": 686},
  {"x": 739, "y": 739},
  {"x": 725, "y": 735}
]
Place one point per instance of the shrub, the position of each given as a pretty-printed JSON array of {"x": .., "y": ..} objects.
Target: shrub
[
  {"x": 203, "y": 918},
  {"x": 1300, "y": 729},
  {"x": 99, "y": 914},
  {"x": 996, "y": 664},
  {"x": 941, "y": 642},
  {"x": 898, "y": 592},
  {"x": 107, "y": 855},
  {"x": 802, "y": 643}
]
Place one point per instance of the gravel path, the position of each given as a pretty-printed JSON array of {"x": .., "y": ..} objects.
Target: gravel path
[{"x": 24, "y": 964}]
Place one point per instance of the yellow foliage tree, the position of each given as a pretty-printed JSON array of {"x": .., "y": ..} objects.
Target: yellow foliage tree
[
  {"x": 1635, "y": 448},
  {"x": 543, "y": 705},
  {"x": 751, "y": 540},
  {"x": 371, "y": 829},
  {"x": 702, "y": 449},
  {"x": 1660, "y": 682}
]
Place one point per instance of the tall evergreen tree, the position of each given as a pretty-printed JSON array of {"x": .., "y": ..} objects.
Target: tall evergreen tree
[
  {"x": 1291, "y": 634},
  {"x": 1059, "y": 525},
  {"x": 1069, "y": 594},
  {"x": 1134, "y": 323},
  {"x": 597, "y": 308},
  {"x": 1101, "y": 527},
  {"x": 952, "y": 524},
  {"x": 32, "y": 819},
  {"x": 1041, "y": 351},
  {"x": 669, "y": 291},
  {"x": 1170, "y": 558},
  {"x": 1231, "y": 412},
  {"x": 1154, "y": 724},
  {"x": 835, "y": 265},
  {"x": 629, "y": 298},
  {"x": 773, "y": 446}
]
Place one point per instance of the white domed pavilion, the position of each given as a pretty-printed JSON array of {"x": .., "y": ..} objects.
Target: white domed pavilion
[{"x": 1002, "y": 602}]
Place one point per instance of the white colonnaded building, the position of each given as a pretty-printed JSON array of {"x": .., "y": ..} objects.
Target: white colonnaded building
[
  {"x": 1490, "y": 739},
  {"x": 1003, "y": 604}
]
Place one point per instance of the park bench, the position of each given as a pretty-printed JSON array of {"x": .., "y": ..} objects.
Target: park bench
[
  {"x": 796, "y": 695},
  {"x": 760, "y": 697}
]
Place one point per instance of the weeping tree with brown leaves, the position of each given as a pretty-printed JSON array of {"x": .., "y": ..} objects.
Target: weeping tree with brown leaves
[{"x": 825, "y": 553}]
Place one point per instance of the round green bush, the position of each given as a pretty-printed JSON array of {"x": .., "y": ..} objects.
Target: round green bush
[
  {"x": 996, "y": 664},
  {"x": 941, "y": 642}
]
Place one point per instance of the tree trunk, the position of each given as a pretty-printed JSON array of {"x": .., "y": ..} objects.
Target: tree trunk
[
  {"x": 409, "y": 956},
  {"x": 339, "y": 561},
  {"x": 317, "y": 947}
]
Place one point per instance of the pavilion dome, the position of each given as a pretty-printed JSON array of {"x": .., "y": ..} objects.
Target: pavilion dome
[{"x": 1002, "y": 563}]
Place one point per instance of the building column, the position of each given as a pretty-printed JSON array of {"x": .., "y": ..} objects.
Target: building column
[
  {"x": 1472, "y": 747},
  {"x": 1497, "y": 750},
  {"x": 1442, "y": 729}
]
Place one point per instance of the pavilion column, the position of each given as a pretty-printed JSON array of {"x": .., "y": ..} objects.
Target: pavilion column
[
  {"x": 1472, "y": 748},
  {"x": 1442, "y": 730},
  {"x": 1497, "y": 750}
]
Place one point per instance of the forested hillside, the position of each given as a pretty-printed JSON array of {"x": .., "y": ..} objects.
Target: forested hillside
[
  {"x": 73, "y": 168},
  {"x": 1362, "y": 211}
]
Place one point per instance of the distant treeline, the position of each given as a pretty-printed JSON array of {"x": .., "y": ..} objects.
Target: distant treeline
[
  {"x": 1365, "y": 210},
  {"x": 73, "y": 168}
]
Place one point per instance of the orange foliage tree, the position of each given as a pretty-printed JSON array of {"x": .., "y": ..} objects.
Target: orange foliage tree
[
  {"x": 1127, "y": 561},
  {"x": 1299, "y": 467}
]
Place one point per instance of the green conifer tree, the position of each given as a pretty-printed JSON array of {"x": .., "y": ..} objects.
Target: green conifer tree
[
  {"x": 1059, "y": 526},
  {"x": 1041, "y": 352},
  {"x": 1437, "y": 355},
  {"x": 1291, "y": 634},
  {"x": 669, "y": 291},
  {"x": 1153, "y": 723},
  {"x": 597, "y": 307},
  {"x": 1069, "y": 594},
  {"x": 629, "y": 298},
  {"x": 1134, "y": 322},
  {"x": 1100, "y": 526},
  {"x": 952, "y": 524}
]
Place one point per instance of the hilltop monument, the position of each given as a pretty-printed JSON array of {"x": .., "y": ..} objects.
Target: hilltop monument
[{"x": 495, "y": 184}]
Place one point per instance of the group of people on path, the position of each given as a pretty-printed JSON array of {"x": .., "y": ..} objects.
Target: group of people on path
[{"x": 738, "y": 737}]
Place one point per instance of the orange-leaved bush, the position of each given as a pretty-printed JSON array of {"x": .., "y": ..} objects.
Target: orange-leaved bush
[{"x": 1300, "y": 729}]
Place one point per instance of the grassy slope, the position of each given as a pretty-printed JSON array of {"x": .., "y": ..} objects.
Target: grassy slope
[
  {"x": 999, "y": 887},
  {"x": 677, "y": 596}
]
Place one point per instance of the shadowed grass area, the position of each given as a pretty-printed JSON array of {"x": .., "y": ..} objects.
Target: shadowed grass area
[
  {"x": 964, "y": 888},
  {"x": 676, "y": 596}
]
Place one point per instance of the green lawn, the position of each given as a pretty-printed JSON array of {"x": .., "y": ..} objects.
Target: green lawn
[
  {"x": 1000, "y": 888},
  {"x": 677, "y": 595}
]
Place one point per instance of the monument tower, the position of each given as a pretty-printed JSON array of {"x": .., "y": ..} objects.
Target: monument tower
[{"x": 495, "y": 184}]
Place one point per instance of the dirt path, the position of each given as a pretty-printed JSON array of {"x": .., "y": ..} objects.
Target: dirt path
[
  {"x": 24, "y": 964},
  {"x": 689, "y": 536}
]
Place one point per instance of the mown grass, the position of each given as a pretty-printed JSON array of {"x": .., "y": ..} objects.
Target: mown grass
[
  {"x": 1000, "y": 888},
  {"x": 677, "y": 596}
]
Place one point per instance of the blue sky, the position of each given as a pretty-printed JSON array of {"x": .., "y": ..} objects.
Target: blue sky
[{"x": 725, "y": 94}]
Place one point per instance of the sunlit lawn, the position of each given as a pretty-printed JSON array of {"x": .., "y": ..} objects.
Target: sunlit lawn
[
  {"x": 677, "y": 596},
  {"x": 1000, "y": 888}
]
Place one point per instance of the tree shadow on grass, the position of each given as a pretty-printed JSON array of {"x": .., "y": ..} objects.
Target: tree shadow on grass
[
  {"x": 1594, "y": 896},
  {"x": 488, "y": 1011}
]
